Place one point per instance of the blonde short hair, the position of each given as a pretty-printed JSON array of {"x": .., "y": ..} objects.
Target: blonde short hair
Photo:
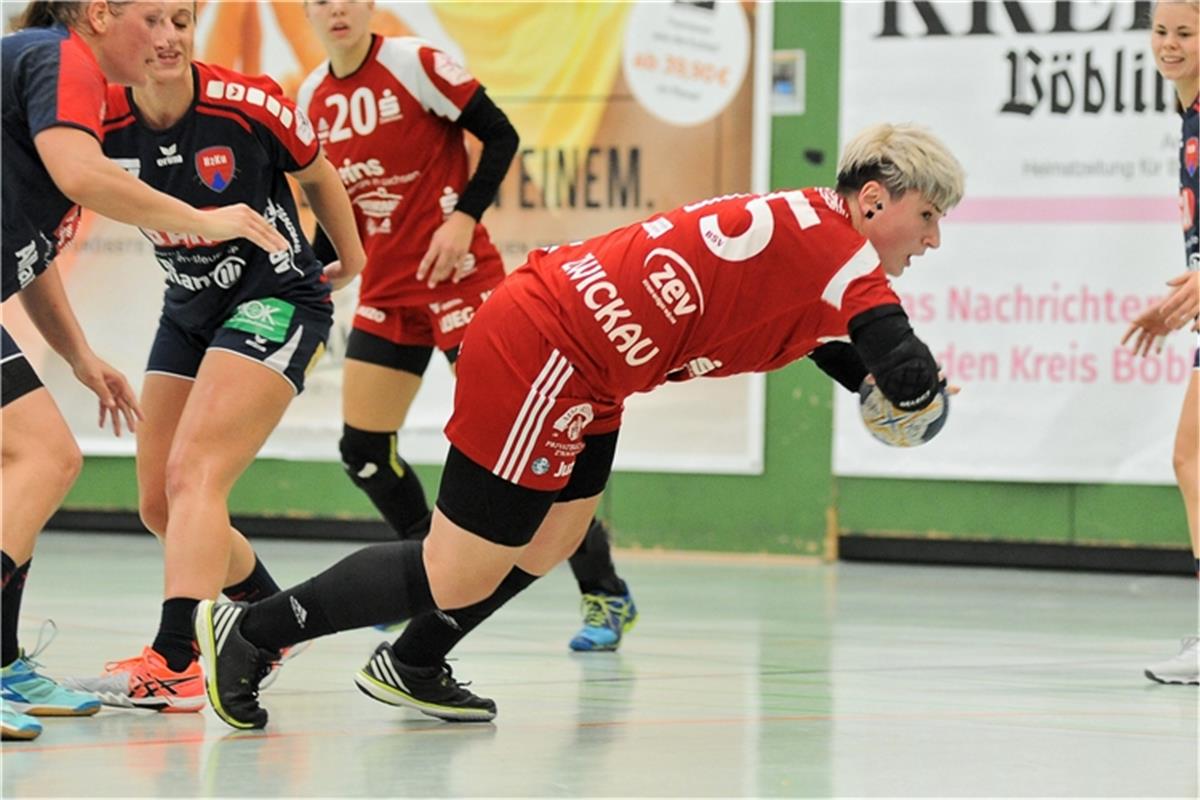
[{"x": 902, "y": 157}]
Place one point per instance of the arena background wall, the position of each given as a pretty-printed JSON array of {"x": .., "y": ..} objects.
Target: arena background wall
[{"x": 796, "y": 506}]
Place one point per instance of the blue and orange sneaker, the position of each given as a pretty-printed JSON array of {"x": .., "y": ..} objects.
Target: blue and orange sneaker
[{"x": 606, "y": 617}]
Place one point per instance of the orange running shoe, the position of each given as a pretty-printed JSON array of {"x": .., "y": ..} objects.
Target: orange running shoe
[{"x": 146, "y": 681}]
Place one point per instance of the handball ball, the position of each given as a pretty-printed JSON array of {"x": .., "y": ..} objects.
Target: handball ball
[{"x": 893, "y": 425}]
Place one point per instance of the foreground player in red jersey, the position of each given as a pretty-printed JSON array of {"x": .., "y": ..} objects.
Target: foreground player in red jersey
[
  {"x": 743, "y": 283},
  {"x": 391, "y": 113}
]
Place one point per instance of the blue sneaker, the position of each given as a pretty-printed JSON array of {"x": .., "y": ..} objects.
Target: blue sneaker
[
  {"x": 26, "y": 691},
  {"x": 606, "y": 618},
  {"x": 15, "y": 725}
]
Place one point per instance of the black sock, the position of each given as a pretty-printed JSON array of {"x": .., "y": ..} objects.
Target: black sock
[
  {"x": 593, "y": 565},
  {"x": 257, "y": 586},
  {"x": 175, "y": 638},
  {"x": 371, "y": 461},
  {"x": 429, "y": 638},
  {"x": 378, "y": 584},
  {"x": 14, "y": 587}
]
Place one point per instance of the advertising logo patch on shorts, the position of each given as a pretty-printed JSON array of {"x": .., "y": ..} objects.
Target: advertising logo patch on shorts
[
  {"x": 269, "y": 318},
  {"x": 215, "y": 167},
  {"x": 540, "y": 466}
]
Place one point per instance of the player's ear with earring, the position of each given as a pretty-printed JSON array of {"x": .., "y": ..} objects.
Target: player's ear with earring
[{"x": 870, "y": 214}]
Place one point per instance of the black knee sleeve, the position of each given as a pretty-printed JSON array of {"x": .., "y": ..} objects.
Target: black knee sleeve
[{"x": 371, "y": 461}]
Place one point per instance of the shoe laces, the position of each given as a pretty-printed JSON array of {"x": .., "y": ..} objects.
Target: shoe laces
[
  {"x": 1188, "y": 642},
  {"x": 599, "y": 609},
  {"x": 126, "y": 664},
  {"x": 49, "y": 632},
  {"x": 448, "y": 678}
]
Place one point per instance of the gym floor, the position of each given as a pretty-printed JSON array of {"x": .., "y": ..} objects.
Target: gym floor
[{"x": 744, "y": 677}]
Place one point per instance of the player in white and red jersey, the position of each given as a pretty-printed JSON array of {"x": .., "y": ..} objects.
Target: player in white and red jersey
[
  {"x": 744, "y": 283},
  {"x": 391, "y": 113}
]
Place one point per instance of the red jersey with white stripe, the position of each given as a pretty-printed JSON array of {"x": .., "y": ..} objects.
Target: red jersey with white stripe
[
  {"x": 389, "y": 128},
  {"x": 741, "y": 283}
]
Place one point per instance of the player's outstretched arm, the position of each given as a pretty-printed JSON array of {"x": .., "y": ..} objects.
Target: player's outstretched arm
[
  {"x": 82, "y": 172},
  {"x": 45, "y": 301},
  {"x": 331, "y": 205},
  {"x": 903, "y": 367}
]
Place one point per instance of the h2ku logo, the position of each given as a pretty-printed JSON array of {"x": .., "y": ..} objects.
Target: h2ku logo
[{"x": 215, "y": 166}]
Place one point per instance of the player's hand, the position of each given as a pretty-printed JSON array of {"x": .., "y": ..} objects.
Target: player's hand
[
  {"x": 450, "y": 243},
  {"x": 1183, "y": 304},
  {"x": 240, "y": 221},
  {"x": 116, "y": 396},
  {"x": 1146, "y": 332},
  {"x": 341, "y": 274}
]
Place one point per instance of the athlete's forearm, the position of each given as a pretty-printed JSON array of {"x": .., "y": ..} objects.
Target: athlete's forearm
[
  {"x": 45, "y": 301},
  {"x": 331, "y": 206},
  {"x": 80, "y": 169}
]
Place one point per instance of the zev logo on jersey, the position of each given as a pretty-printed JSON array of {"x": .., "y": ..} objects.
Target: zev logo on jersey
[
  {"x": 1191, "y": 156},
  {"x": 215, "y": 167}
]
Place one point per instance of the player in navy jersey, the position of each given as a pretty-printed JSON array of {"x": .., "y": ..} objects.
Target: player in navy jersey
[
  {"x": 54, "y": 82},
  {"x": 1175, "y": 40},
  {"x": 391, "y": 113},
  {"x": 239, "y": 330},
  {"x": 742, "y": 283}
]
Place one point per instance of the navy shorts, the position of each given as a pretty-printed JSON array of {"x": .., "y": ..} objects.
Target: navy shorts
[
  {"x": 17, "y": 377},
  {"x": 286, "y": 338}
]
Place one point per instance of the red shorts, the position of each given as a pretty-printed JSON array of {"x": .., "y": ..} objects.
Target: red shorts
[
  {"x": 520, "y": 408},
  {"x": 440, "y": 325}
]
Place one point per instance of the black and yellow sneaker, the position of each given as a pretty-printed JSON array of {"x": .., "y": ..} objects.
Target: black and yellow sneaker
[
  {"x": 233, "y": 667},
  {"x": 430, "y": 690}
]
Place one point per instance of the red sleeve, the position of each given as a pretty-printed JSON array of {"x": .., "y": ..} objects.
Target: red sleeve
[
  {"x": 449, "y": 77},
  {"x": 64, "y": 87}
]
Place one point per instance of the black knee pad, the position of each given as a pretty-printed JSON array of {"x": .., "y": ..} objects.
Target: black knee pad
[{"x": 369, "y": 457}]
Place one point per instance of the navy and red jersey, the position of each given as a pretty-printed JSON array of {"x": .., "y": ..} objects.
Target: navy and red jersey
[
  {"x": 51, "y": 79},
  {"x": 232, "y": 146},
  {"x": 390, "y": 129},
  {"x": 1189, "y": 156},
  {"x": 741, "y": 283}
]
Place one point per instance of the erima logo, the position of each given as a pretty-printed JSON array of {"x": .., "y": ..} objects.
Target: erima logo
[
  {"x": 299, "y": 611},
  {"x": 170, "y": 155}
]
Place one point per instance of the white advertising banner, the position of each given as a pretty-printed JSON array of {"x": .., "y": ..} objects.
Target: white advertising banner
[
  {"x": 1070, "y": 227},
  {"x": 638, "y": 91}
]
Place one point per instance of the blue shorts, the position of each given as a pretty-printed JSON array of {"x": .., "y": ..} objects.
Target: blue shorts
[
  {"x": 17, "y": 377},
  {"x": 286, "y": 338}
]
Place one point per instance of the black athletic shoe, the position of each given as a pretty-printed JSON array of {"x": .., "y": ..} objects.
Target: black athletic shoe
[
  {"x": 430, "y": 690},
  {"x": 233, "y": 667}
]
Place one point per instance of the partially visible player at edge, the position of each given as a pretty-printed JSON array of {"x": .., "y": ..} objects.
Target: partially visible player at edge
[
  {"x": 55, "y": 69},
  {"x": 1175, "y": 42},
  {"x": 743, "y": 283}
]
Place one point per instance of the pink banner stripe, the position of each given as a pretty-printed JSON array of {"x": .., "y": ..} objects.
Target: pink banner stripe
[{"x": 1066, "y": 209}]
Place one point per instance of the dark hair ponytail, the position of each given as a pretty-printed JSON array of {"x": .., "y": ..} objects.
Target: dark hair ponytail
[{"x": 46, "y": 13}]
